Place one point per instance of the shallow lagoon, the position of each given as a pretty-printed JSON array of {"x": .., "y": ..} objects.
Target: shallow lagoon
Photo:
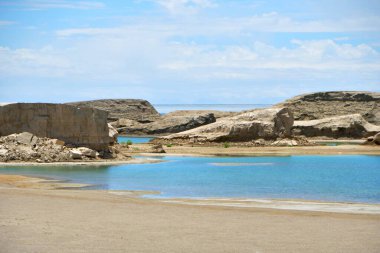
[
  {"x": 133, "y": 139},
  {"x": 352, "y": 178}
]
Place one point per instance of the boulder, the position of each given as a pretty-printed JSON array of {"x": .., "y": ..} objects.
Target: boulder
[
  {"x": 267, "y": 124},
  {"x": 75, "y": 126},
  {"x": 75, "y": 153},
  {"x": 170, "y": 123},
  {"x": 321, "y": 105},
  {"x": 376, "y": 138},
  {"x": 87, "y": 152},
  {"x": 133, "y": 109},
  {"x": 346, "y": 126}
]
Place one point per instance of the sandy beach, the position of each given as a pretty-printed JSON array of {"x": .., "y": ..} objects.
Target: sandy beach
[
  {"x": 38, "y": 218},
  {"x": 219, "y": 150}
]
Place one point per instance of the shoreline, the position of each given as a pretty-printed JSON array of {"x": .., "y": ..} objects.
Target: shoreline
[
  {"x": 85, "y": 163},
  {"x": 14, "y": 181},
  {"x": 255, "y": 151},
  {"x": 44, "y": 220}
]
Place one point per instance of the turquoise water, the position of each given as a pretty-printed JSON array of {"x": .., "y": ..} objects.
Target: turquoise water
[
  {"x": 166, "y": 108},
  {"x": 353, "y": 178},
  {"x": 134, "y": 139}
]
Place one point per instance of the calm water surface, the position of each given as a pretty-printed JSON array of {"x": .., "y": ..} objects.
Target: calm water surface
[
  {"x": 353, "y": 178},
  {"x": 134, "y": 139}
]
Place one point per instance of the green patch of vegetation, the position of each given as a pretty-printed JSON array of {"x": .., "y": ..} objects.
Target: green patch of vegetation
[
  {"x": 169, "y": 145},
  {"x": 135, "y": 148},
  {"x": 226, "y": 145},
  {"x": 129, "y": 142}
]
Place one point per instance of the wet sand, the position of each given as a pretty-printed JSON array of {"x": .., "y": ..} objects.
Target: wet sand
[{"x": 37, "y": 219}]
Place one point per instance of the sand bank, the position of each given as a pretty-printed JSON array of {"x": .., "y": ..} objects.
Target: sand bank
[{"x": 268, "y": 151}]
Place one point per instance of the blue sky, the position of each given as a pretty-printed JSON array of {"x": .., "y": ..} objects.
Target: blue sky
[{"x": 186, "y": 51}]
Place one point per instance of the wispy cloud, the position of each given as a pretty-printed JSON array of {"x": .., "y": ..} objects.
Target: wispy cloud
[
  {"x": 54, "y": 4},
  {"x": 6, "y": 22},
  {"x": 185, "y": 6}
]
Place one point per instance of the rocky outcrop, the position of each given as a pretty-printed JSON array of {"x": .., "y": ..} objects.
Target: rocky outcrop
[
  {"x": 26, "y": 147},
  {"x": 133, "y": 109},
  {"x": 330, "y": 104},
  {"x": 169, "y": 123},
  {"x": 267, "y": 124},
  {"x": 75, "y": 126},
  {"x": 348, "y": 126}
]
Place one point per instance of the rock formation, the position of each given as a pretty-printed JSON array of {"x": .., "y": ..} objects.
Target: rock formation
[
  {"x": 75, "y": 126},
  {"x": 262, "y": 123},
  {"x": 373, "y": 140},
  {"x": 349, "y": 126},
  {"x": 26, "y": 147},
  {"x": 133, "y": 109},
  {"x": 169, "y": 123},
  {"x": 329, "y": 104}
]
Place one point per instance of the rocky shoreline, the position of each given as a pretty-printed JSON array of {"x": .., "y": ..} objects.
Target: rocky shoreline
[{"x": 52, "y": 133}]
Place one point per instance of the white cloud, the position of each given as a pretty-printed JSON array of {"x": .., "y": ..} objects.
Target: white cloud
[
  {"x": 55, "y": 4},
  {"x": 185, "y": 6}
]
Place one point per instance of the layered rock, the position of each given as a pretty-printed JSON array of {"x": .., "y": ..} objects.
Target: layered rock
[
  {"x": 329, "y": 104},
  {"x": 349, "y": 126},
  {"x": 75, "y": 126},
  {"x": 267, "y": 124},
  {"x": 133, "y": 109},
  {"x": 169, "y": 123}
]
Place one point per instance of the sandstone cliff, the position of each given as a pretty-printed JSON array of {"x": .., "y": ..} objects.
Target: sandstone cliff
[
  {"x": 329, "y": 104},
  {"x": 262, "y": 123},
  {"x": 75, "y": 126},
  {"x": 133, "y": 109}
]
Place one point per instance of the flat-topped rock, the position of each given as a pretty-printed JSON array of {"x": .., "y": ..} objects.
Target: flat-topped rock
[
  {"x": 329, "y": 104},
  {"x": 345, "y": 126},
  {"x": 268, "y": 123},
  {"x": 134, "y": 109},
  {"x": 75, "y": 126},
  {"x": 166, "y": 124}
]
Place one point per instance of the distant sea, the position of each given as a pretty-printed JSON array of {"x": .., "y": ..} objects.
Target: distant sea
[{"x": 166, "y": 108}]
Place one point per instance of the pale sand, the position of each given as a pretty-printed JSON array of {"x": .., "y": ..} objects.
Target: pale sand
[
  {"x": 269, "y": 151},
  {"x": 41, "y": 220}
]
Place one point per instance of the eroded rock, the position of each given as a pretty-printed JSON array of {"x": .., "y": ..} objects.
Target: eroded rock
[
  {"x": 269, "y": 123},
  {"x": 321, "y": 105},
  {"x": 349, "y": 126},
  {"x": 133, "y": 109},
  {"x": 170, "y": 123}
]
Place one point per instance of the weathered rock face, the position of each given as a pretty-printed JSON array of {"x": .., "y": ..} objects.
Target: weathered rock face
[
  {"x": 169, "y": 123},
  {"x": 350, "y": 126},
  {"x": 75, "y": 126},
  {"x": 133, "y": 109},
  {"x": 267, "y": 124},
  {"x": 329, "y": 104}
]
